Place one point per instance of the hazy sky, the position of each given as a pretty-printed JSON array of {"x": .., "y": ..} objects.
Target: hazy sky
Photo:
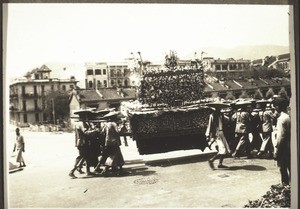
[{"x": 39, "y": 33}]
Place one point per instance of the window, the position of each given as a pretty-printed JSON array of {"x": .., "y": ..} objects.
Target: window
[
  {"x": 37, "y": 119},
  {"x": 34, "y": 90},
  {"x": 52, "y": 87},
  {"x": 63, "y": 87},
  {"x": 23, "y": 90},
  {"x": 25, "y": 118},
  {"x": 126, "y": 83},
  {"x": 98, "y": 84},
  {"x": 43, "y": 89},
  {"x": 119, "y": 73},
  {"x": 97, "y": 72},
  {"x": 24, "y": 105},
  {"x": 112, "y": 82},
  {"x": 35, "y": 104},
  {"x": 105, "y": 83},
  {"x": 104, "y": 71},
  {"x": 43, "y": 104},
  {"x": 90, "y": 72},
  {"x": 112, "y": 73},
  {"x": 90, "y": 84},
  {"x": 71, "y": 86},
  {"x": 119, "y": 82}
]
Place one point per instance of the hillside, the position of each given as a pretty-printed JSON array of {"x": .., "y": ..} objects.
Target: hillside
[{"x": 245, "y": 52}]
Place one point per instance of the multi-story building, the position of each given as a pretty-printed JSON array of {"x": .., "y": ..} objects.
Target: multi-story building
[
  {"x": 225, "y": 65},
  {"x": 281, "y": 61},
  {"x": 27, "y": 95},
  {"x": 118, "y": 75},
  {"x": 104, "y": 75},
  {"x": 96, "y": 75}
]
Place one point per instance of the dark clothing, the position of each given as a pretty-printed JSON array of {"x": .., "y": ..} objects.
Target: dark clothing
[
  {"x": 242, "y": 129},
  {"x": 283, "y": 153}
]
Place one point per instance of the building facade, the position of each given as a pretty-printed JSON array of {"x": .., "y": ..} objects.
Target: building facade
[
  {"x": 27, "y": 96},
  {"x": 223, "y": 65},
  {"x": 106, "y": 75}
]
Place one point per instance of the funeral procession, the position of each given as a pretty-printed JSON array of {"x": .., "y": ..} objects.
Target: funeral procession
[{"x": 202, "y": 132}]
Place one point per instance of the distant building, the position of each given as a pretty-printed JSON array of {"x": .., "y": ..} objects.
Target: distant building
[
  {"x": 222, "y": 88},
  {"x": 281, "y": 61},
  {"x": 225, "y": 65},
  {"x": 104, "y": 75},
  {"x": 27, "y": 95},
  {"x": 100, "y": 98}
]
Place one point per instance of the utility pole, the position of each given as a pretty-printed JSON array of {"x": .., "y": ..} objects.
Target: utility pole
[
  {"x": 53, "y": 111},
  {"x": 142, "y": 64}
]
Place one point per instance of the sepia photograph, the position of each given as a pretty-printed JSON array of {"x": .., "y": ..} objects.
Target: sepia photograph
[{"x": 150, "y": 105}]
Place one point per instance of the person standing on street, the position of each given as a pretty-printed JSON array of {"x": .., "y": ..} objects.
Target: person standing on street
[
  {"x": 267, "y": 116},
  {"x": 20, "y": 146},
  {"x": 215, "y": 131},
  {"x": 283, "y": 138}
]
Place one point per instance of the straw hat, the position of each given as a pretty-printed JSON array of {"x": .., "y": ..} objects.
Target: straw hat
[
  {"x": 242, "y": 104},
  {"x": 83, "y": 113},
  {"x": 112, "y": 114},
  {"x": 218, "y": 105}
]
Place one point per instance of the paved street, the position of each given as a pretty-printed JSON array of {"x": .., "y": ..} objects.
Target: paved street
[{"x": 174, "y": 179}]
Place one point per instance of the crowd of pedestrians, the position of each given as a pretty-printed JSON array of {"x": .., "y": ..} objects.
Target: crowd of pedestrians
[{"x": 231, "y": 126}]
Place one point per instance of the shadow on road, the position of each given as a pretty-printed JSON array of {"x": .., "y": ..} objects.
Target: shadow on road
[
  {"x": 129, "y": 171},
  {"x": 247, "y": 167},
  {"x": 180, "y": 160},
  {"x": 132, "y": 162}
]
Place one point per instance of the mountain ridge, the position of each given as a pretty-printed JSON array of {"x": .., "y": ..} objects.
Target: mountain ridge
[{"x": 252, "y": 52}]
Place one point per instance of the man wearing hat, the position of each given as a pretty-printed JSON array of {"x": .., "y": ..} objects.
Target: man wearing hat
[
  {"x": 283, "y": 151},
  {"x": 242, "y": 128},
  {"x": 266, "y": 117},
  {"x": 82, "y": 143},
  {"x": 112, "y": 156}
]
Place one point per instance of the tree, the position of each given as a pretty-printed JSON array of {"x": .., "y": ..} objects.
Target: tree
[{"x": 59, "y": 102}]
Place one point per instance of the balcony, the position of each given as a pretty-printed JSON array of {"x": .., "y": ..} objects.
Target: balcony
[
  {"x": 32, "y": 110},
  {"x": 14, "y": 96},
  {"x": 30, "y": 95}
]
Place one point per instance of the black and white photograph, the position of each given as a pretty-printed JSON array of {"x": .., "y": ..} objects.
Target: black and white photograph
[{"x": 150, "y": 105}]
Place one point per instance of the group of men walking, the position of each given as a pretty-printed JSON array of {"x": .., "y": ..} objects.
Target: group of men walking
[
  {"x": 230, "y": 126},
  {"x": 231, "y": 129},
  {"x": 97, "y": 145}
]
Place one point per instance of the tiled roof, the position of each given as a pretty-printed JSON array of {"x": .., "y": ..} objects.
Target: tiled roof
[
  {"x": 233, "y": 85},
  {"x": 269, "y": 60},
  {"x": 258, "y": 61},
  {"x": 284, "y": 56},
  {"x": 86, "y": 95},
  {"x": 218, "y": 87},
  {"x": 247, "y": 84},
  {"x": 259, "y": 83},
  {"x": 112, "y": 93},
  {"x": 130, "y": 93}
]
